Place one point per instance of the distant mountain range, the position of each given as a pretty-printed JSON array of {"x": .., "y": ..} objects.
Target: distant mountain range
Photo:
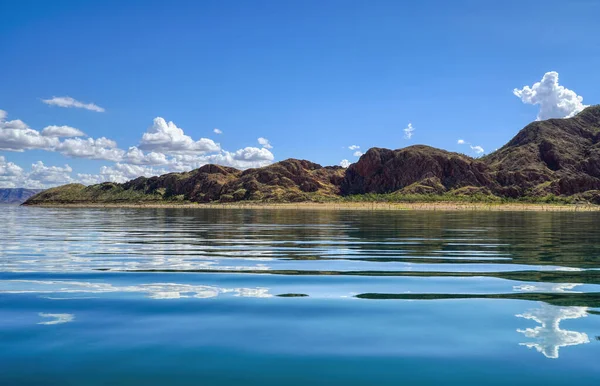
[
  {"x": 552, "y": 158},
  {"x": 16, "y": 195}
]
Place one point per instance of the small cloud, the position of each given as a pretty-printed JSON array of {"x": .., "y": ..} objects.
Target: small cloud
[
  {"x": 555, "y": 101},
  {"x": 477, "y": 149},
  {"x": 353, "y": 147},
  {"x": 253, "y": 154},
  {"x": 408, "y": 132},
  {"x": 70, "y": 102},
  {"x": 217, "y": 131},
  {"x": 265, "y": 143},
  {"x": 358, "y": 153},
  {"x": 344, "y": 163}
]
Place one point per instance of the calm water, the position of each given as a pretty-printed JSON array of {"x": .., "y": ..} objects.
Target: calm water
[{"x": 210, "y": 297}]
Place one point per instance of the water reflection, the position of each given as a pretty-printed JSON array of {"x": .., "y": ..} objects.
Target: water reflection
[
  {"x": 56, "y": 318},
  {"x": 153, "y": 291},
  {"x": 61, "y": 240},
  {"x": 549, "y": 337},
  {"x": 482, "y": 258},
  {"x": 547, "y": 287}
]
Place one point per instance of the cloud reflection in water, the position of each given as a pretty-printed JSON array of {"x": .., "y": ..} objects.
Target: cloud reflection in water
[
  {"x": 153, "y": 291},
  {"x": 549, "y": 337},
  {"x": 57, "y": 318}
]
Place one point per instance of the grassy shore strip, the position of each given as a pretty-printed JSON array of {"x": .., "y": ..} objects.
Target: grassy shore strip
[{"x": 364, "y": 206}]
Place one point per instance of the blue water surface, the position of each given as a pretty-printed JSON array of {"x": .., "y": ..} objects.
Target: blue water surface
[{"x": 284, "y": 297}]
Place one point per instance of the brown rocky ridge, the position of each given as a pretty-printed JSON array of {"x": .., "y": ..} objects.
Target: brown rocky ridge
[{"x": 556, "y": 157}]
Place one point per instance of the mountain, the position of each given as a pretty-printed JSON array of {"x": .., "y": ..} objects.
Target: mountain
[
  {"x": 556, "y": 157},
  {"x": 286, "y": 181},
  {"x": 414, "y": 170},
  {"x": 16, "y": 195}
]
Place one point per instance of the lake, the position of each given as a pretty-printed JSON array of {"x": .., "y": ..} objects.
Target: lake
[{"x": 284, "y": 297}]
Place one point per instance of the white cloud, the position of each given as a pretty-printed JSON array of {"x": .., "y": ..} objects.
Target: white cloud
[
  {"x": 409, "y": 131},
  {"x": 9, "y": 169},
  {"x": 121, "y": 172},
  {"x": 555, "y": 101},
  {"x": 137, "y": 157},
  {"x": 137, "y": 163},
  {"x": 170, "y": 150},
  {"x": 39, "y": 177},
  {"x": 217, "y": 131},
  {"x": 265, "y": 143},
  {"x": 344, "y": 163},
  {"x": 8, "y": 183},
  {"x": 17, "y": 136},
  {"x": 168, "y": 138},
  {"x": 253, "y": 154},
  {"x": 358, "y": 153},
  {"x": 62, "y": 131},
  {"x": 10, "y": 174},
  {"x": 70, "y": 102},
  {"x": 140, "y": 164},
  {"x": 98, "y": 149},
  {"x": 477, "y": 149},
  {"x": 42, "y": 175},
  {"x": 248, "y": 157},
  {"x": 353, "y": 147},
  {"x": 90, "y": 179}
]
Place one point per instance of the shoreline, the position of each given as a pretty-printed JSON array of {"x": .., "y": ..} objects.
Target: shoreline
[{"x": 362, "y": 206}]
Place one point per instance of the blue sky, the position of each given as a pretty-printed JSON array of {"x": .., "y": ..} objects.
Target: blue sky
[{"x": 311, "y": 77}]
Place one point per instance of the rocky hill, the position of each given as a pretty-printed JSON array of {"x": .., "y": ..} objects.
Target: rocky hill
[
  {"x": 286, "y": 181},
  {"x": 16, "y": 195},
  {"x": 559, "y": 157},
  {"x": 415, "y": 170}
]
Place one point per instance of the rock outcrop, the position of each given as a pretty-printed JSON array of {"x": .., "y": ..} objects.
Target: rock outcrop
[
  {"x": 422, "y": 169},
  {"x": 556, "y": 156}
]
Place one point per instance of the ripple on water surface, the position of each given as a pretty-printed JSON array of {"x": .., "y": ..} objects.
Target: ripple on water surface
[{"x": 470, "y": 294}]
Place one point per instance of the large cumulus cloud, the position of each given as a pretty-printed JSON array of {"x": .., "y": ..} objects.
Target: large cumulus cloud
[{"x": 555, "y": 100}]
